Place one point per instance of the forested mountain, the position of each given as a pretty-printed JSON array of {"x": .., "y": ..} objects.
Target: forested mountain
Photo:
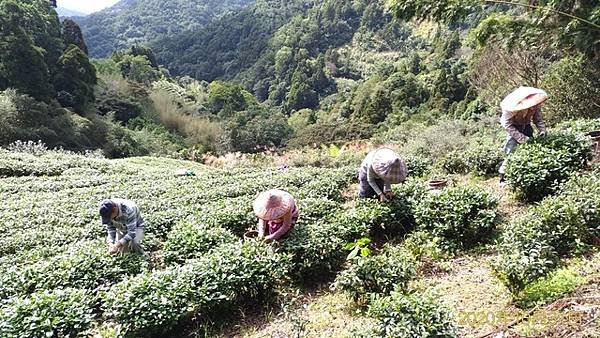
[
  {"x": 141, "y": 21},
  {"x": 65, "y": 12}
]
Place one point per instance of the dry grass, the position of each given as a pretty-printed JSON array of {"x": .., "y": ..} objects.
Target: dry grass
[{"x": 197, "y": 130}]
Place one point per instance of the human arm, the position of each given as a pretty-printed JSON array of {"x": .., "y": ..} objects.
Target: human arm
[
  {"x": 131, "y": 214},
  {"x": 262, "y": 225},
  {"x": 371, "y": 177},
  {"x": 111, "y": 231},
  {"x": 538, "y": 120}
]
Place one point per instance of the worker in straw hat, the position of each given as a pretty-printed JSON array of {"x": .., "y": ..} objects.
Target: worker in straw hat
[
  {"x": 277, "y": 214},
  {"x": 519, "y": 109},
  {"x": 379, "y": 170}
]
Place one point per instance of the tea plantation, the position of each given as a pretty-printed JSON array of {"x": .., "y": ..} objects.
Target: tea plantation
[{"x": 58, "y": 280}]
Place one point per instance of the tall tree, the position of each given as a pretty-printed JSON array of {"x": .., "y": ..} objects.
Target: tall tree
[
  {"x": 22, "y": 64},
  {"x": 71, "y": 34},
  {"x": 76, "y": 76}
]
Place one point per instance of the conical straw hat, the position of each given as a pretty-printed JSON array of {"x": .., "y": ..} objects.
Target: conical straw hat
[
  {"x": 273, "y": 204},
  {"x": 523, "y": 98},
  {"x": 389, "y": 166}
]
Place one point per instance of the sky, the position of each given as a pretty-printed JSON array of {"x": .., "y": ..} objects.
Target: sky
[{"x": 86, "y": 6}]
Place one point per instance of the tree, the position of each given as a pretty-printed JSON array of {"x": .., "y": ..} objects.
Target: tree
[
  {"x": 226, "y": 98},
  {"x": 71, "y": 34},
  {"x": 571, "y": 24},
  {"x": 77, "y": 76},
  {"x": 22, "y": 64}
]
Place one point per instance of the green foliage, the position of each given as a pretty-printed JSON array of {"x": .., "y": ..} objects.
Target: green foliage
[
  {"x": 188, "y": 241},
  {"x": 554, "y": 286},
  {"x": 481, "y": 158},
  {"x": 559, "y": 225},
  {"x": 87, "y": 266},
  {"x": 417, "y": 165},
  {"x": 381, "y": 273},
  {"x": 147, "y": 20},
  {"x": 24, "y": 118},
  {"x": 76, "y": 76},
  {"x": 536, "y": 168},
  {"x": 462, "y": 216},
  {"x": 59, "y": 313},
  {"x": 360, "y": 246},
  {"x": 573, "y": 84},
  {"x": 153, "y": 303},
  {"x": 411, "y": 315},
  {"x": 18, "y": 51},
  {"x": 72, "y": 35}
]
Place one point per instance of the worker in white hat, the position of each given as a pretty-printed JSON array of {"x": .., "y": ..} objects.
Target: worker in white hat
[
  {"x": 519, "y": 109},
  {"x": 277, "y": 214},
  {"x": 378, "y": 171}
]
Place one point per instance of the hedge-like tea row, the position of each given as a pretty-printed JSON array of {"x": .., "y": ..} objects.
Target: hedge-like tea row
[
  {"x": 317, "y": 247},
  {"x": 57, "y": 313},
  {"x": 537, "y": 167},
  {"x": 187, "y": 241},
  {"x": 559, "y": 225},
  {"x": 393, "y": 267},
  {"x": 86, "y": 266},
  {"x": 462, "y": 216},
  {"x": 155, "y": 302}
]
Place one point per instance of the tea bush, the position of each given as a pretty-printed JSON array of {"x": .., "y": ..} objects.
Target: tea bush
[
  {"x": 482, "y": 159},
  {"x": 559, "y": 225},
  {"x": 462, "y": 216},
  {"x": 86, "y": 266},
  {"x": 187, "y": 241},
  {"x": 417, "y": 165},
  {"x": 537, "y": 167},
  {"x": 393, "y": 267},
  {"x": 411, "y": 315},
  {"x": 58, "y": 313},
  {"x": 154, "y": 302}
]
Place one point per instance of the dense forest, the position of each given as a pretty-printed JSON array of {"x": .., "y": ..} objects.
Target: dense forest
[
  {"x": 133, "y": 21},
  {"x": 246, "y": 76}
]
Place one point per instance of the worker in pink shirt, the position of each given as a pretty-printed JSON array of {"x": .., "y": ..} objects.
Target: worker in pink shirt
[{"x": 277, "y": 214}]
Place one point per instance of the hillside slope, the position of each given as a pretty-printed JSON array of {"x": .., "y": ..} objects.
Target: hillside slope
[{"x": 142, "y": 21}]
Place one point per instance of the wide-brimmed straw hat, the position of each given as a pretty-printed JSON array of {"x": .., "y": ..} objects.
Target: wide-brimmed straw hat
[
  {"x": 389, "y": 166},
  {"x": 273, "y": 204},
  {"x": 523, "y": 98}
]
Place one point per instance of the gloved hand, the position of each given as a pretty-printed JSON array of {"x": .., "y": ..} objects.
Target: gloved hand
[
  {"x": 389, "y": 195},
  {"x": 542, "y": 134}
]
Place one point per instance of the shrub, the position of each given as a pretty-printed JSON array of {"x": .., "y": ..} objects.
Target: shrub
[
  {"x": 393, "y": 267},
  {"x": 188, "y": 240},
  {"x": 236, "y": 217},
  {"x": 154, "y": 302},
  {"x": 574, "y": 85},
  {"x": 559, "y": 225},
  {"x": 417, "y": 165},
  {"x": 539, "y": 166},
  {"x": 58, "y": 313},
  {"x": 411, "y": 315},
  {"x": 87, "y": 266},
  {"x": 579, "y": 126},
  {"x": 480, "y": 158},
  {"x": 462, "y": 216},
  {"x": 524, "y": 254}
]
